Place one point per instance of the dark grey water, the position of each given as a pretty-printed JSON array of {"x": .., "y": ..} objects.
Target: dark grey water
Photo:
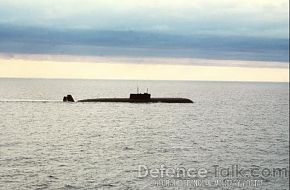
[{"x": 56, "y": 145}]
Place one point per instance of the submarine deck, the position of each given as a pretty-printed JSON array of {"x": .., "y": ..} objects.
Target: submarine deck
[{"x": 151, "y": 100}]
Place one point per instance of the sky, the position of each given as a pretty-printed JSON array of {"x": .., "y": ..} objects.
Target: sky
[
  {"x": 130, "y": 71},
  {"x": 251, "y": 36},
  {"x": 248, "y": 17}
]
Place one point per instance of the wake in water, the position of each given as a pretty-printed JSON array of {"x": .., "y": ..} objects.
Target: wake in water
[{"x": 27, "y": 100}]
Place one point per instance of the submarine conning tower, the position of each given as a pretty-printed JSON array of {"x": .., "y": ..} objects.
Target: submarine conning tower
[{"x": 140, "y": 97}]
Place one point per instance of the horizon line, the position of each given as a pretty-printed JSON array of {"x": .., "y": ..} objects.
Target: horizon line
[{"x": 157, "y": 80}]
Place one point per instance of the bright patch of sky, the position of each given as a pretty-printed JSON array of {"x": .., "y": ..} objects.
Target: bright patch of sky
[{"x": 264, "y": 18}]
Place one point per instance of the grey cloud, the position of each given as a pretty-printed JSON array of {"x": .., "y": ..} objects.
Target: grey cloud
[{"x": 140, "y": 44}]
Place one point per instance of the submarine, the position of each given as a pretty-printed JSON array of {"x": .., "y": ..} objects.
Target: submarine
[{"x": 133, "y": 98}]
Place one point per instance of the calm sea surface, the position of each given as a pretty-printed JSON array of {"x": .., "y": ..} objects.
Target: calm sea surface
[{"x": 56, "y": 145}]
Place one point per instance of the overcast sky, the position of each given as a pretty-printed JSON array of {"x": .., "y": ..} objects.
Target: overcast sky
[
  {"x": 235, "y": 17},
  {"x": 253, "y": 35}
]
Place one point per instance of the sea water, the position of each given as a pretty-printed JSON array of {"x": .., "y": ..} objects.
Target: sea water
[{"x": 231, "y": 126}]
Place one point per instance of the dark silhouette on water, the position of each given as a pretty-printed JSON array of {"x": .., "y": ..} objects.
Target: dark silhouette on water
[
  {"x": 134, "y": 98},
  {"x": 68, "y": 98}
]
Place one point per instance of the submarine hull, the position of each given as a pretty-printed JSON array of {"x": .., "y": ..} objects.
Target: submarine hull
[{"x": 151, "y": 100}]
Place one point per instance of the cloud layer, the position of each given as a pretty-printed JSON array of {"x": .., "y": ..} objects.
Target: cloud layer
[
  {"x": 31, "y": 40},
  {"x": 224, "y": 17}
]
